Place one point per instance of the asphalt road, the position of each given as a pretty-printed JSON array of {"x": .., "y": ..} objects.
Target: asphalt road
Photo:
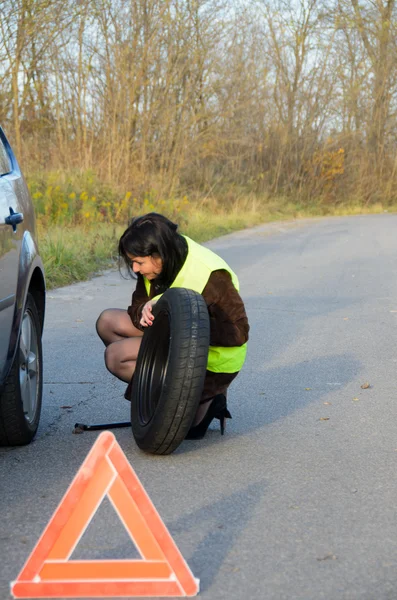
[{"x": 298, "y": 499}]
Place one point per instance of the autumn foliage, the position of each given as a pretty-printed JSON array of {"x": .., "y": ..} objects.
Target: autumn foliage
[{"x": 118, "y": 105}]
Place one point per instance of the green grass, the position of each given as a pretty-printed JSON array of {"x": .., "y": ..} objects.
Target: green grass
[{"x": 75, "y": 253}]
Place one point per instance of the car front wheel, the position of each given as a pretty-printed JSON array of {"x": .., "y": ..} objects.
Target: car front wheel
[{"x": 20, "y": 401}]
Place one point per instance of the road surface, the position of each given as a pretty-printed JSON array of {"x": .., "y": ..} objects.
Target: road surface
[{"x": 298, "y": 499}]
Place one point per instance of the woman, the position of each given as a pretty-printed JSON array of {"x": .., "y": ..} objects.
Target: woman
[{"x": 161, "y": 257}]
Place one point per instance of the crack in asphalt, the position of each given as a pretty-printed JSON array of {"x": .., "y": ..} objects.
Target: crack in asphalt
[{"x": 69, "y": 382}]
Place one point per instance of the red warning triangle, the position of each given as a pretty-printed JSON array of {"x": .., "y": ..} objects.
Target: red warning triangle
[{"x": 49, "y": 572}]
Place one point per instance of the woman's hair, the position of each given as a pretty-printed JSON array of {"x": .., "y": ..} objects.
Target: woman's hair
[{"x": 155, "y": 235}]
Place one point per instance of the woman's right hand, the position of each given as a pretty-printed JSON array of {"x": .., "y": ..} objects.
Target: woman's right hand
[{"x": 147, "y": 317}]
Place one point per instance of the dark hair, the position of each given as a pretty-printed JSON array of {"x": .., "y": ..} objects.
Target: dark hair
[{"x": 151, "y": 235}]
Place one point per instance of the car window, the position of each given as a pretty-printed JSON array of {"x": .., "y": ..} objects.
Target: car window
[{"x": 5, "y": 163}]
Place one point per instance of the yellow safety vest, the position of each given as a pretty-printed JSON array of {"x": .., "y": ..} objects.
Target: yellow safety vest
[{"x": 194, "y": 275}]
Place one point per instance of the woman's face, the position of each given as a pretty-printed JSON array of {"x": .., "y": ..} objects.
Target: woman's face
[{"x": 148, "y": 266}]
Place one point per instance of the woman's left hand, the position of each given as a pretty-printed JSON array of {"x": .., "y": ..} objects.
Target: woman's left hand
[{"x": 147, "y": 316}]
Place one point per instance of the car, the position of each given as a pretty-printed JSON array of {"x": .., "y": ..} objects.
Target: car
[{"x": 22, "y": 306}]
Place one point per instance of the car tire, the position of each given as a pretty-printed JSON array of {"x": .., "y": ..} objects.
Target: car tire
[
  {"x": 20, "y": 401},
  {"x": 170, "y": 371}
]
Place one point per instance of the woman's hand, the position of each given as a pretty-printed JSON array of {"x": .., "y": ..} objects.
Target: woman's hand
[{"x": 147, "y": 316}]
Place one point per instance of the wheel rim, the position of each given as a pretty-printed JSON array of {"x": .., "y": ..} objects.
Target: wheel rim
[
  {"x": 28, "y": 367},
  {"x": 154, "y": 368}
]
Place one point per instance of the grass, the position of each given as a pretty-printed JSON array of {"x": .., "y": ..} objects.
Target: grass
[{"x": 74, "y": 253}]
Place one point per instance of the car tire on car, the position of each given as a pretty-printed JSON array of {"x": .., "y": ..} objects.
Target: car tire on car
[
  {"x": 20, "y": 401},
  {"x": 170, "y": 371}
]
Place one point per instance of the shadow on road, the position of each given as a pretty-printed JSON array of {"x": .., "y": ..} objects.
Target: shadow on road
[
  {"x": 224, "y": 521},
  {"x": 259, "y": 399}
]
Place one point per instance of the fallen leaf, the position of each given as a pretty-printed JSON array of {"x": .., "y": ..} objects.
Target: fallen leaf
[
  {"x": 327, "y": 403},
  {"x": 328, "y": 557},
  {"x": 307, "y": 389},
  {"x": 324, "y": 419},
  {"x": 345, "y": 318},
  {"x": 365, "y": 385},
  {"x": 356, "y": 400},
  {"x": 79, "y": 321}
]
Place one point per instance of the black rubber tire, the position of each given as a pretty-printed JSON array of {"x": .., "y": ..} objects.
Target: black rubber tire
[
  {"x": 15, "y": 429},
  {"x": 170, "y": 371}
]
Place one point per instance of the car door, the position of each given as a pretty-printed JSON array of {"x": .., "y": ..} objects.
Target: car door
[{"x": 10, "y": 243}]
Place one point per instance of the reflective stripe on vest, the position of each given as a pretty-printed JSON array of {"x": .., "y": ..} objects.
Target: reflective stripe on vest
[{"x": 194, "y": 275}]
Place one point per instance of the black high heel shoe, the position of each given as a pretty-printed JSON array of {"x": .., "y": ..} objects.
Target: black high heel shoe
[{"x": 217, "y": 410}]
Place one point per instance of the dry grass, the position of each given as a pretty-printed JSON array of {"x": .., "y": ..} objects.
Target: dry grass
[{"x": 75, "y": 252}]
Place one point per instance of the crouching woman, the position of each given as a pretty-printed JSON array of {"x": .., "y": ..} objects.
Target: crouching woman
[{"x": 160, "y": 257}]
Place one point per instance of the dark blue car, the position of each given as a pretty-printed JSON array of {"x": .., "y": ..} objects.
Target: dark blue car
[{"x": 22, "y": 306}]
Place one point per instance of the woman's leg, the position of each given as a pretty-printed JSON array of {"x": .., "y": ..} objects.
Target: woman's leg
[
  {"x": 120, "y": 357},
  {"x": 114, "y": 324},
  {"x": 122, "y": 340},
  {"x": 214, "y": 384}
]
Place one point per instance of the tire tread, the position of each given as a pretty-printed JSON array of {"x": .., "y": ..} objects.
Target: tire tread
[{"x": 186, "y": 371}]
